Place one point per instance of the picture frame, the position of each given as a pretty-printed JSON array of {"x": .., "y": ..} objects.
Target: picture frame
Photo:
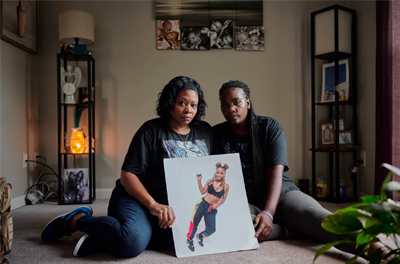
[
  {"x": 328, "y": 80},
  {"x": 18, "y": 24},
  {"x": 341, "y": 123},
  {"x": 346, "y": 138},
  {"x": 76, "y": 186},
  {"x": 193, "y": 219},
  {"x": 327, "y": 133}
]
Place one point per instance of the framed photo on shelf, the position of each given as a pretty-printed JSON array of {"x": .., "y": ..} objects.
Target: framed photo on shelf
[
  {"x": 341, "y": 123},
  {"x": 346, "y": 138},
  {"x": 76, "y": 185},
  {"x": 328, "y": 80},
  {"x": 327, "y": 134},
  {"x": 18, "y": 24}
]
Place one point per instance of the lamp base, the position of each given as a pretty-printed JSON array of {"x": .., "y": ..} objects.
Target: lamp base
[{"x": 80, "y": 49}]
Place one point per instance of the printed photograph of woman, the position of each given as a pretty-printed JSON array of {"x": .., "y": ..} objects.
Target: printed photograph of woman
[{"x": 216, "y": 191}]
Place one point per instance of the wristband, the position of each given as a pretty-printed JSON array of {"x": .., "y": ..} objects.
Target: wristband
[{"x": 270, "y": 215}]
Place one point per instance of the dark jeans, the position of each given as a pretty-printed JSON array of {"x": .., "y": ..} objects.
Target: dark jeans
[
  {"x": 202, "y": 208},
  {"x": 128, "y": 229}
]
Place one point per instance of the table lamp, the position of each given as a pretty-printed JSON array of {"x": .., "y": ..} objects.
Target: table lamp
[{"x": 76, "y": 27}]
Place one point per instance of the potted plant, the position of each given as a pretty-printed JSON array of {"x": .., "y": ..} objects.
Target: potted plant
[{"x": 381, "y": 216}]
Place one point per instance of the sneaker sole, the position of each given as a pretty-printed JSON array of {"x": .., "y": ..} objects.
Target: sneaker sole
[
  {"x": 90, "y": 208},
  {"x": 79, "y": 244}
]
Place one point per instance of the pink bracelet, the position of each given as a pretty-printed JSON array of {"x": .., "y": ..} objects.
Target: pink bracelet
[{"x": 270, "y": 215}]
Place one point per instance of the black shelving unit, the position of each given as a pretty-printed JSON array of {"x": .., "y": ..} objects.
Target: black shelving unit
[
  {"x": 334, "y": 107},
  {"x": 65, "y": 113}
]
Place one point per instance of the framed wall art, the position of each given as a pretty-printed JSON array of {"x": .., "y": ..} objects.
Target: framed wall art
[
  {"x": 18, "y": 24},
  {"x": 328, "y": 80}
]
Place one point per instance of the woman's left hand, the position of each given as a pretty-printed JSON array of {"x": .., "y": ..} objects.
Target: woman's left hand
[
  {"x": 214, "y": 206},
  {"x": 263, "y": 224}
]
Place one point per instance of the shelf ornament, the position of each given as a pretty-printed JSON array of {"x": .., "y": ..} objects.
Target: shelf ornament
[
  {"x": 77, "y": 140},
  {"x": 69, "y": 88}
]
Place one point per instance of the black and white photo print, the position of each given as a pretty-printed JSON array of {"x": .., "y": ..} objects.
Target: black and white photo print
[
  {"x": 250, "y": 38},
  {"x": 195, "y": 38}
]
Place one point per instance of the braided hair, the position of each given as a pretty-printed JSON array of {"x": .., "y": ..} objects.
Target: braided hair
[
  {"x": 225, "y": 167},
  {"x": 258, "y": 176}
]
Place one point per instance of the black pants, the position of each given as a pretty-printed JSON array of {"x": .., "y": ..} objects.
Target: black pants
[{"x": 202, "y": 208}]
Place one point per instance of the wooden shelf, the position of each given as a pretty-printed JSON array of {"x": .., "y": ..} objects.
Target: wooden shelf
[{"x": 331, "y": 149}]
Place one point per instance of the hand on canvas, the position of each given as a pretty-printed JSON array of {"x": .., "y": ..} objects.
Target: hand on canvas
[
  {"x": 199, "y": 177},
  {"x": 263, "y": 224},
  {"x": 165, "y": 214}
]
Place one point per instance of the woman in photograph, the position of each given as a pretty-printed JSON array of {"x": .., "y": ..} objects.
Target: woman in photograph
[
  {"x": 138, "y": 211},
  {"x": 217, "y": 191},
  {"x": 261, "y": 143}
]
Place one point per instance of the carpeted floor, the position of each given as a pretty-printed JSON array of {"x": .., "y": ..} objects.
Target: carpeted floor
[{"x": 28, "y": 247}]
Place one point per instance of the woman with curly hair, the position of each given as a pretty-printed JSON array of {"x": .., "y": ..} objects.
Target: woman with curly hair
[
  {"x": 138, "y": 211},
  {"x": 217, "y": 191}
]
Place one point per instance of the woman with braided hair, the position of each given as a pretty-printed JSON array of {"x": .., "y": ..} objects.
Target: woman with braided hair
[
  {"x": 261, "y": 144},
  {"x": 217, "y": 191}
]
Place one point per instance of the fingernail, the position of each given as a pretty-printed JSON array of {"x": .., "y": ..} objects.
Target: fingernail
[{"x": 256, "y": 235}]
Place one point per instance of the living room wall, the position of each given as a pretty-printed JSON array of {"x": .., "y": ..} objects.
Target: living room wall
[
  {"x": 18, "y": 116},
  {"x": 130, "y": 72}
]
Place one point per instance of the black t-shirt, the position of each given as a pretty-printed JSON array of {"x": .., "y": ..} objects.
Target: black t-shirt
[
  {"x": 273, "y": 147},
  {"x": 153, "y": 142}
]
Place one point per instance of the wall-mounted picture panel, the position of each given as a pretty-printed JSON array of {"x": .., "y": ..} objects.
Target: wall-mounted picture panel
[
  {"x": 222, "y": 9},
  {"x": 195, "y": 38},
  {"x": 168, "y": 9},
  {"x": 168, "y": 34},
  {"x": 249, "y": 13},
  {"x": 250, "y": 38},
  {"x": 195, "y": 13},
  {"x": 221, "y": 34}
]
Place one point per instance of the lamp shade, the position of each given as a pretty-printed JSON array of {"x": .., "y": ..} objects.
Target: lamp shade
[
  {"x": 76, "y": 24},
  {"x": 325, "y": 32}
]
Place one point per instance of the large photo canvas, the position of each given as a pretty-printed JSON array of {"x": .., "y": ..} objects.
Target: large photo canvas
[{"x": 227, "y": 228}]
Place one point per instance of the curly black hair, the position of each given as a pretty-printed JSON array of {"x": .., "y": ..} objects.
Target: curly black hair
[
  {"x": 167, "y": 98},
  {"x": 254, "y": 128}
]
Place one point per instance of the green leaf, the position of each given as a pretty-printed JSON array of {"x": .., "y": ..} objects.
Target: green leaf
[
  {"x": 328, "y": 246},
  {"x": 363, "y": 238},
  {"x": 385, "y": 181},
  {"x": 371, "y": 222},
  {"x": 341, "y": 223},
  {"x": 371, "y": 198},
  {"x": 354, "y": 212}
]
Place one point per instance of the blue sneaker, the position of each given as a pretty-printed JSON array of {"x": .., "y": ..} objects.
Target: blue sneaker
[
  {"x": 84, "y": 246},
  {"x": 58, "y": 227}
]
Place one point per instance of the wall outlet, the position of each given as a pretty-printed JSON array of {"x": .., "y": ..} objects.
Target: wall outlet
[
  {"x": 24, "y": 161},
  {"x": 363, "y": 157},
  {"x": 35, "y": 155}
]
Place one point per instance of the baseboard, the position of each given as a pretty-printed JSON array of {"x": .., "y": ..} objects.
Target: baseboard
[{"x": 19, "y": 201}]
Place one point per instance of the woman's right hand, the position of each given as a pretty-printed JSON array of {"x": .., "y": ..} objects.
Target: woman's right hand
[
  {"x": 199, "y": 177},
  {"x": 165, "y": 214}
]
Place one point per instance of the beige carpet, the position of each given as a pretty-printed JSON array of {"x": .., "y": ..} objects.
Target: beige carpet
[{"x": 28, "y": 247}]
